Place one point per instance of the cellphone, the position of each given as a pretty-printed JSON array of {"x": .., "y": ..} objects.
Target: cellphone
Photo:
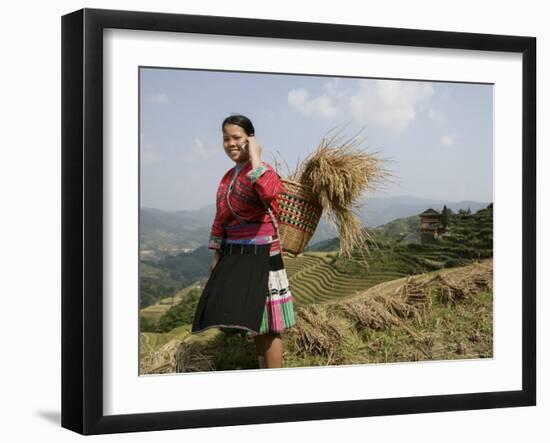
[{"x": 245, "y": 147}]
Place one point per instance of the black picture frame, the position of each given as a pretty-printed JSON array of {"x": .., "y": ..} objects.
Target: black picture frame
[{"x": 82, "y": 218}]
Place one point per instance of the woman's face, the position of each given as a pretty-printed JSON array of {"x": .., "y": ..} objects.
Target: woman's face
[{"x": 234, "y": 137}]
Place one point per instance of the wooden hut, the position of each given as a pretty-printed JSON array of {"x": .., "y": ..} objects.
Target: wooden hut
[{"x": 430, "y": 225}]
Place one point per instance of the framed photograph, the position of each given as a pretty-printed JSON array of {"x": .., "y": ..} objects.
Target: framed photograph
[{"x": 271, "y": 221}]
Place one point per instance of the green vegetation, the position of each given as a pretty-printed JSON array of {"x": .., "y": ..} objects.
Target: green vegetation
[
  {"x": 472, "y": 230},
  {"x": 146, "y": 325},
  {"x": 315, "y": 277},
  {"x": 319, "y": 276},
  {"x": 445, "y": 217},
  {"x": 153, "y": 313},
  {"x": 180, "y": 314},
  {"x": 384, "y": 324},
  {"x": 187, "y": 267},
  {"x": 169, "y": 275},
  {"x": 463, "y": 330},
  {"x": 154, "y": 283}
]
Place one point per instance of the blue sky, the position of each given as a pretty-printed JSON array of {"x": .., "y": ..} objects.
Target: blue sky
[{"x": 438, "y": 135}]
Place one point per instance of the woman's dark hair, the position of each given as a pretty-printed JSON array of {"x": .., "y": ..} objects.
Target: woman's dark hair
[{"x": 240, "y": 120}]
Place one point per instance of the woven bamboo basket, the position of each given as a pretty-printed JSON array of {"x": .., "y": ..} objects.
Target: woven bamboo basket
[{"x": 298, "y": 216}]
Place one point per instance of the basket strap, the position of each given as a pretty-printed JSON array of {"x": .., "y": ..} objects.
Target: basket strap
[
  {"x": 271, "y": 216},
  {"x": 273, "y": 221},
  {"x": 227, "y": 194}
]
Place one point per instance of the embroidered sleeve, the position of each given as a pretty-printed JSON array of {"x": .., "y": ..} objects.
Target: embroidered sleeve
[
  {"x": 215, "y": 242},
  {"x": 256, "y": 173},
  {"x": 266, "y": 182}
]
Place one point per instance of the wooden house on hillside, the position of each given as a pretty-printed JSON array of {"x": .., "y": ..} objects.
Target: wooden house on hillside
[{"x": 430, "y": 225}]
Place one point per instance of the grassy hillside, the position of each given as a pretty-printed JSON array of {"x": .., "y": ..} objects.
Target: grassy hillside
[
  {"x": 169, "y": 232},
  {"x": 152, "y": 341},
  {"x": 349, "y": 310},
  {"x": 321, "y": 275},
  {"x": 170, "y": 274},
  {"x": 441, "y": 315},
  {"x": 472, "y": 230},
  {"x": 153, "y": 313},
  {"x": 155, "y": 283}
]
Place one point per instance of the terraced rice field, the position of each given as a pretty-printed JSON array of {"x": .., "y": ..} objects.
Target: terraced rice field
[
  {"x": 313, "y": 278},
  {"x": 317, "y": 277},
  {"x": 152, "y": 341},
  {"x": 156, "y": 311}
]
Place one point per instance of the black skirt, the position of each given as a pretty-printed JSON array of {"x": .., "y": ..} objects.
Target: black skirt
[{"x": 235, "y": 294}]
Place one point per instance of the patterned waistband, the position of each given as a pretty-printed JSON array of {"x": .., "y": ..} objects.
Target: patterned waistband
[
  {"x": 243, "y": 249},
  {"x": 261, "y": 240},
  {"x": 247, "y": 231}
]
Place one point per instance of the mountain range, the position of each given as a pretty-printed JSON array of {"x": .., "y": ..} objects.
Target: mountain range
[{"x": 166, "y": 232}]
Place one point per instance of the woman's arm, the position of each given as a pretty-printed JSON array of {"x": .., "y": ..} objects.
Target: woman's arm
[
  {"x": 215, "y": 259},
  {"x": 216, "y": 242},
  {"x": 265, "y": 180},
  {"x": 217, "y": 233}
]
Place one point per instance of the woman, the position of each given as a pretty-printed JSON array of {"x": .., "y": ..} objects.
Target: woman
[{"x": 247, "y": 291}]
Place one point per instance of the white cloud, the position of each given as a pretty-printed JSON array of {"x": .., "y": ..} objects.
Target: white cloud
[
  {"x": 389, "y": 104},
  {"x": 322, "y": 105},
  {"x": 157, "y": 98},
  {"x": 448, "y": 140}
]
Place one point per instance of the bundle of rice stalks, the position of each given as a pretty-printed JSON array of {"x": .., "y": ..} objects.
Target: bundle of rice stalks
[
  {"x": 413, "y": 291},
  {"x": 370, "y": 314},
  {"x": 447, "y": 292},
  {"x": 338, "y": 172},
  {"x": 484, "y": 281},
  {"x": 317, "y": 332},
  {"x": 190, "y": 358},
  {"x": 402, "y": 307},
  {"x": 479, "y": 279},
  {"x": 162, "y": 361}
]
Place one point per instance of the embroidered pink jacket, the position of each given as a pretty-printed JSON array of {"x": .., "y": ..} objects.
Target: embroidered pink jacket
[{"x": 239, "y": 201}]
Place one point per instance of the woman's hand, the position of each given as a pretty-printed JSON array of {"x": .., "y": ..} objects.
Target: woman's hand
[
  {"x": 215, "y": 260},
  {"x": 254, "y": 151}
]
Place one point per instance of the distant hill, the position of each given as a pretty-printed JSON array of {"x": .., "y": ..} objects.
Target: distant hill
[
  {"x": 170, "y": 232},
  {"x": 155, "y": 283},
  {"x": 321, "y": 275},
  {"x": 381, "y": 210},
  {"x": 407, "y": 229},
  {"x": 179, "y": 255},
  {"x": 171, "y": 273}
]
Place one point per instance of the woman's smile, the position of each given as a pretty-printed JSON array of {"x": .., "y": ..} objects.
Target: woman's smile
[{"x": 234, "y": 137}]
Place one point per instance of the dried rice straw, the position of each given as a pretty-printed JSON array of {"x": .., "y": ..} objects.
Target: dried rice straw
[{"x": 339, "y": 171}]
